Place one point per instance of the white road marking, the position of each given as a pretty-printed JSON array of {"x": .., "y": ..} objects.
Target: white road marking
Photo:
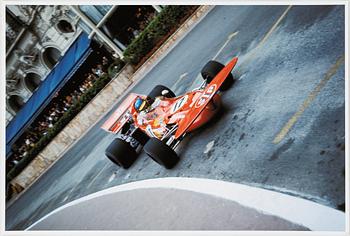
[
  {"x": 242, "y": 76},
  {"x": 96, "y": 176},
  {"x": 183, "y": 75},
  {"x": 274, "y": 26},
  {"x": 112, "y": 177},
  {"x": 70, "y": 192},
  {"x": 312, "y": 215},
  {"x": 65, "y": 198},
  {"x": 252, "y": 53},
  {"x": 209, "y": 147},
  {"x": 229, "y": 38}
]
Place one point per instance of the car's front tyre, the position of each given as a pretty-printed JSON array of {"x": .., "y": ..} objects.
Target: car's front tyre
[
  {"x": 211, "y": 69},
  {"x": 157, "y": 91},
  {"x": 161, "y": 153},
  {"x": 121, "y": 153}
]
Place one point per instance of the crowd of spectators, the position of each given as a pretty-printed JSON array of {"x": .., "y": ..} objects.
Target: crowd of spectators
[{"x": 60, "y": 104}]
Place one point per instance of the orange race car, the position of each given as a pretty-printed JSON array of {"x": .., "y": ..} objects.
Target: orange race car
[{"x": 159, "y": 121}]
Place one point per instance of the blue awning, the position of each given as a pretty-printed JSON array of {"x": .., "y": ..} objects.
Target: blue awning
[{"x": 58, "y": 76}]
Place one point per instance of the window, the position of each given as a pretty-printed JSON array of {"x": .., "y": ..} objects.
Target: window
[
  {"x": 95, "y": 12},
  {"x": 32, "y": 81},
  {"x": 65, "y": 27},
  {"x": 103, "y": 8},
  {"x": 51, "y": 56},
  {"x": 84, "y": 26},
  {"x": 16, "y": 103}
]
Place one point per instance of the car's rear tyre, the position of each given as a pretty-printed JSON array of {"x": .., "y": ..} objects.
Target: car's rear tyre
[
  {"x": 161, "y": 153},
  {"x": 157, "y": 91},
  {"x": 121, "y": 153},
  {"x": 211, "y": 69}
]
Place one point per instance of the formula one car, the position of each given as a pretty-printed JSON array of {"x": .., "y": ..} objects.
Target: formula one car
[{"x": 159, "y": 121}]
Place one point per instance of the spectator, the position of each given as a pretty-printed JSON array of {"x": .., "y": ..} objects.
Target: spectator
[
  {"x": 100, "y": 67},
  {"x": 95, "y": 72},
  {"x": 53, "y": 115},
  {"x": 66, "y": 105},
  {"x": 81, "y": 88},
  {"x": 98, "y": 70},
  {"x": 135, "y": 32},
  {"x": 69, "y": 99},
  {"x": 105, "y": 63},
  {"x": 29, "y": 141},
  {"x": 75, "y": 96}
]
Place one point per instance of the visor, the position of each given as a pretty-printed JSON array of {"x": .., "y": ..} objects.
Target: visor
[{"x": 142, "y": 106}]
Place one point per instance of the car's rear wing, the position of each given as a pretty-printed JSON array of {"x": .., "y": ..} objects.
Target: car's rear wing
[
  {"x": 116, "y": 121},
  {"x": 205, "y": 98}
]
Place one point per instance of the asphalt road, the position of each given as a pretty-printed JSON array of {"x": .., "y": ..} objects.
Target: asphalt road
[{"x": 283, "y": 123}]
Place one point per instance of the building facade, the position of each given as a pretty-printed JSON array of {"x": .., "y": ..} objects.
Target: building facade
[{"x": 37, "y": 37}]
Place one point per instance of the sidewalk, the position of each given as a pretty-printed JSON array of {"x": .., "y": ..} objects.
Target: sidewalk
[{"x": 191, "y": 204}]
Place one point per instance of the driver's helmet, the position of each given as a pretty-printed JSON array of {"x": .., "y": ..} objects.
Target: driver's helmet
[{"x": 141, "y": 104}]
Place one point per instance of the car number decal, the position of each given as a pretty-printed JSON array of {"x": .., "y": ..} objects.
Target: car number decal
[
  {"x": 179, "y": 104},
  {"x": 208, "y": 93}
]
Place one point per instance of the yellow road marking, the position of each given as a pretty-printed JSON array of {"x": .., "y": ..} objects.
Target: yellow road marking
[{"x": 308, "y": 100}]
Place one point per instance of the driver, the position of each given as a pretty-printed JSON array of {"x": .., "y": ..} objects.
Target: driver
[{"x": 143, "y": 105}]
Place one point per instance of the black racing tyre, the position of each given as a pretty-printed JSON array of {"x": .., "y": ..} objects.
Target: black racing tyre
[
  {"x": 121, "y": 153},
  {"x": 157, "y": 91},
  {"x": 161, "y": 153},
  {"x": 211, "y": 69},
  {"x": 140, "y": 136}
]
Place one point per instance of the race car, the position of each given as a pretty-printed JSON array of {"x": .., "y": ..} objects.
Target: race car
[{"x": 159, "y": 121}]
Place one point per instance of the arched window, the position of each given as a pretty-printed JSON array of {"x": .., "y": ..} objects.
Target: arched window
[
  {"x": 16, "y": 103},
  {"x": 51, "y": 56},
  {"x": 65, "y": 27},
  {"x": 32, "y": 81}
]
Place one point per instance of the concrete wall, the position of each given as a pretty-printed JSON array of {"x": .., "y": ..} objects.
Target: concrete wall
[{"x": 99, "y": 105}]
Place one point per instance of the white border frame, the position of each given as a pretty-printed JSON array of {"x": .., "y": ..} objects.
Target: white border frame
[{"x": 171, "y": 2}]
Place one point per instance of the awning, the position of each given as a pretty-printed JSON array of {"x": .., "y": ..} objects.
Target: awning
[{"x": 59, "y": 75}]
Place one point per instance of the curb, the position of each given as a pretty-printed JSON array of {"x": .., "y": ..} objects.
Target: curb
[{"x": 299, "y": 211}]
